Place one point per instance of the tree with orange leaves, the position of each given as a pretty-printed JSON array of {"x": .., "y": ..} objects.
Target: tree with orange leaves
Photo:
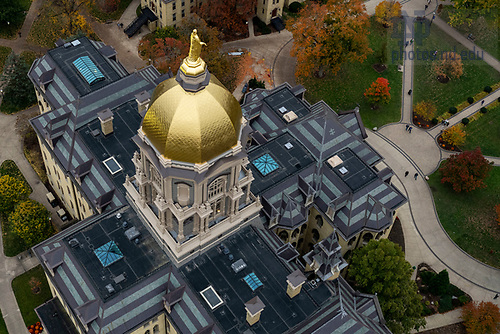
[
  {"x": 386, "y": 11},
  {"x": 327, "y": 36},
  {"x": 228, "y": 16},
  {"x": 454, "y": 136},
  {"x": 165, "y": 53},
  {"x": 497, "y": 209},
  {"x": 378, "y": 92},
  {"x": 481, "y": 318}
]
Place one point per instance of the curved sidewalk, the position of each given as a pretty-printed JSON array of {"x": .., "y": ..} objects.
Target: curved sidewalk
[{"x": 425, "y": 239}]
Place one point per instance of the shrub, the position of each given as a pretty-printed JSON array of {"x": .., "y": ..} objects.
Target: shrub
[
  {"x": 449, "y": 65},
  {"x": 463, "y": 299},
  {"x": 294, "y": 7},
  {"x": 465, "y": 121},
  {"x": 434, "y": 121},
  {"x": 470, "y": 100},
  {"x": 445, "y": 304},
  {"x": 426, "y": 311},
  {"x": 425, "y": 109},
  {"x": 484, "y": 110},
  {"x": 426, "y": 276},
  {"x": 487, "y": 89},
  {"x": 166, "y": 32},
  {"x": 440, "y": 283},
  {"x": 254, "y": 83},
  {"x": 138, "y": 11},
  {"x": 452, "y": 110}
]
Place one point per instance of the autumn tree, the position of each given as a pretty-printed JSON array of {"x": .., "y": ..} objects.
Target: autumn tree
[
  {"x": 481, "y": 318},
  {"x": 165, "y": 53},
  {"x": 466, "y": 11},
  {"x": 454, "y": 136},
  {"x": 69, "y": 12},
  {"x": 449, "y": 65},
  {"x": 229, "y": 16},
  {"x": 425, "y": 109},
  {"x": 30, "y": 221},
  {"x": 465, "y": 171},
  {"x": 12, "y": 191},
  {"x": 386, "y": 11},
  {"x": 497, "y": 209},
  {"x": 327, "y": 36},
  {"x": 378, "y": 92},
  {"x": 19, "y": 92},
  {"x": 380, "y": 268}
]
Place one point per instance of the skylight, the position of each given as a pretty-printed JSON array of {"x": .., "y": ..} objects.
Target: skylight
[
  {"x": 211, "y": 297},
  {"x": 88, "y": 70},
  {"x": 253, "y": 281},
  {"x": 108, "y": 253},
  {"x": 265, "y": 164},
  {"x": 112, "y": 165}
]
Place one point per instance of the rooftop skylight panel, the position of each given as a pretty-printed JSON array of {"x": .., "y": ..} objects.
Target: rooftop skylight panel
[
  {"x": 253, "y": 281},
  {"x": 108, "y": 253},
  {"x": 265, "y": 164},
  {"x": 211, "y": 297},
  {"x": 88, "y": 69},
  {"x": 112, "y": 165}
]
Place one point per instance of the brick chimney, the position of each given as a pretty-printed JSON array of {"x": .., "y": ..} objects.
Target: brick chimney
[
  {"x": 254, "y": 308},
  {"x": 295, "y": 281},
  {"x": 106, "y": 118}
]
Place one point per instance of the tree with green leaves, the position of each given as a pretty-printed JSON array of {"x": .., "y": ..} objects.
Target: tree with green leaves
[
  {"x": 31, "y": 222},
  {"x": 12, "y": 12},
  {"x": 12, "y": 191},
  {"x": 19, "y": 92},
  {"x": 466, "y": 11},
  {"x": 380, "y": 268}
]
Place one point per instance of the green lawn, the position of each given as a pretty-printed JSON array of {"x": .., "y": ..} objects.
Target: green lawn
[
  {"x": 3, "y": 327},
  {"x": 345, "y": 90},
  {"x": 103, "y": 17},
  {"x": 469, "y": 218},
  {"x": 477, "y": 74},
  {"x": 4, "y": 53},
  {"x": 484, "y": 132},
  {"x": 484, "y": 29},
  {"x": 26, "y": 299},
  {"x": 10, "y": 30}
]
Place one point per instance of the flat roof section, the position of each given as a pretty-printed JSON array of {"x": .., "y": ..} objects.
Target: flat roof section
[
  {"x": 214, "y": 268},
  {"x": 285, "y": 152},
  {"x": 283, "y": 101},
  {"x": 110, "y": 258},
  {"x": 353, "y": 171}
]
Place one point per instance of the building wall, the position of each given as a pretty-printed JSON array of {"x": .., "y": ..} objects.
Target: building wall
[
  {"x": 158, "y": 324},
  {"x": 72, "y": 199},
  {"x": 267, "y": 9},
  {"x": 170, "y": 13},
  {"x": 43, "y": 105}
]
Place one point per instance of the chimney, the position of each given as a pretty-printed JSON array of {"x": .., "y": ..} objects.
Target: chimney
[
  {"x": 106, "y": 118},
  {"x": 254, "y": 308},
  {"x": 295, "y": 281},
  {"x": 142, "y": 100}
]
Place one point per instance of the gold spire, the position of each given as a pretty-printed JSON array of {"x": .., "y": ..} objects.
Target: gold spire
[{"x": 193, "y": 65}]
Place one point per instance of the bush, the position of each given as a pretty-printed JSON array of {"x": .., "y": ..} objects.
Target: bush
[
  {"x": 452, "y": 110},
  {"x": 470, "y": 100},
  {"x": 439, "y": 284},
  {"x": 465, "y": 121},
  {"x": 434, "y": 121},
  {"x": 294, "y": 7},
  {"x": 484, "y": 110},
  {"x": 254, "y": 83},
  {"x": 426, "y": 276},
  {"x": 445, "y": 304},
  {"x": 487, "y": 89},
  {"x": 138, "y": 11},
  {"x": 166, "y": 32},
  {"x": 426, "y": 311},
  {"x": 463, "y": 299}
]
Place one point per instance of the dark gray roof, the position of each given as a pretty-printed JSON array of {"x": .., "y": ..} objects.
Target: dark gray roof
[
  {"x": 54, "y": 318},
  {"x": 255, "y": 305},
  {"x": 326, "y": 254},
  {"x": 296, "y": 278}
]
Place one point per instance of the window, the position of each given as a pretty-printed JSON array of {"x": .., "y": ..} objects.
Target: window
[
  {"x": 262, "y": 10},
  {"x": 216, "y": 187},
  {"x": 173, "y": 17},
  {"x": 182, "y": 194},
  {"x": 367, "y": 237},
  {"x": 315, "y": 235},
  {"x": 295, "y": 233},
  {"x": 173, "y": 5},
  {"x": 274, "y": 1},
  {"x": 156, "y": 329},
  {"x": 182, "y": 4},
  {"x": 147, "y": 332},
  {"x": 351, "y": 241},
  {"x": 263, "y": 2},
  {"x": 283, "y": 236},
  {"x": 319, "y": 221},
  {"x": 183, "y": 14}
]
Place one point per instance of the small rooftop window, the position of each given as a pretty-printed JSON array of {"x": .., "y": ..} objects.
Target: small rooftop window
[
  {"x": 112, "y": 165},
  {"x": 288, "y": 146},
  {"x": 88, "y": 70},
  {"x": 211, "y": 297},
  {"x": 265, "y": 164},
  {"x": 343, "y": 170},
  {"x": 108, "y": 253},
  {"x": 253, "y": 281},
  {"x": 283, "y": 110}
]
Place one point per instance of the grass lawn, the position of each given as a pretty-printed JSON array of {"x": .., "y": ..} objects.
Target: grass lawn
[
  {"x": 26, "y": 299},
  {"x": 98, "y": 14},
  {"x": 4, "y": 53},
  {"x": 483, "y": 132},
  {"x": 484, "y": 30},
  {"x": 3, "y": 327},
  {"x": 477, "y": 74},
  {"x": 345, "y": 90},
  {"x": 469, "y": 218},
  {"x": 10, "y": 31}
]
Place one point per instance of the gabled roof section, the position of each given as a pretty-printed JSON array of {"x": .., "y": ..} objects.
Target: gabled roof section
[
  {"x": 292, "y": 214},
  {"x": 325, "y": 257},
  {"x": 88, "y": 311},
  {"x": 53, "y": 258}
]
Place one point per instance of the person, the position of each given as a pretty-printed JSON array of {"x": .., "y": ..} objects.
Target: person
[
  {"x": 409, "y": 129},
  {"x": 482, "y": 102},
  {"x": 406, "y": 173},
  {"x": 426, "y": 6},
  {"x": 415, "y": 176},
  {"x": 496, "y": 296},
  {"x": 406, "y": 44},
  {"x": 411, "y": 41},
  {"x": 409, "y": 92}
]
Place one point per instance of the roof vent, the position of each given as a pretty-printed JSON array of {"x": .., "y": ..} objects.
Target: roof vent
[
  {"x": 343, "y": 170},
  {"x": 290, "y": 116},
  {"x": 110, "y": 288},
  {"x": 335, "y": 161},
  {"x": 239, "y": 265},
  {"x": 74, "y": 243},
  {"x": 288, "y": 146}
]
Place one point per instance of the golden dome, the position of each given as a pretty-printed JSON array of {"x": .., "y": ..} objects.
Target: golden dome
[{"x": 189, "y": 126}]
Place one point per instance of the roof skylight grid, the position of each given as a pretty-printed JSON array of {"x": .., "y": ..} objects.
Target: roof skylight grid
[
  {"x": 108, "y": 253},
  {"x": 88, "y": 69},
  {"x": 265, "y": 164},
  {"x": 253, "y": 281}
]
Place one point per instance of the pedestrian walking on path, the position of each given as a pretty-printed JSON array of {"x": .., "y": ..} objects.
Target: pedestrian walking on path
[
  {"x": 406, "y": 173},
  {"x": 496, "y": 296},
  {"x": 482, "y": 102},
  {"x": 415, "y": 176},
  {"x": 409, "y": 129},
  {"x": 409, "y": 92},
  {"x": 411, "y": 41}
]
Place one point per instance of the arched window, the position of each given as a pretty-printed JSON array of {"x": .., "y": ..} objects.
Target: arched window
[
  {"x": 147, "y": 332},
  {"x": 295, "y": 233},
  {"x": 156, "y": 329},
  {"x": 315, "y": 235},
  {"x": 216, "y": 187},
  {"x": 283, "y": 236},
  {"x": 294, "y": 244},
  {"x": 367, "y": 237},
  {"x": 183, "y": 194},
  {"x": 303, "y": 228},
  {"x": 301, "y": 241},
  {"x": 319, "y": 221},
  {"x": 351, "y": 241},
  {"x": 379, "y": 234}
]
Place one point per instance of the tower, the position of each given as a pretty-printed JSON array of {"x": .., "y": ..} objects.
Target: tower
[{"x": 191, "y": 180}]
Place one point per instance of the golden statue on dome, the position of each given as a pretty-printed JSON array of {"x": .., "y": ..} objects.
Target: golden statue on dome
[
  {"x": 193, "y": 65},
  {"x": 195, "y": 49}
]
